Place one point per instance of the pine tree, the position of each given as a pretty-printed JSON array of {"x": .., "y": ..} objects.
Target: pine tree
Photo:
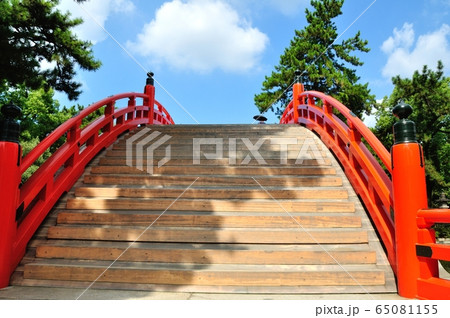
[
  {"x": 326, "y": 65},
  {"x": 33, "y": 31}
]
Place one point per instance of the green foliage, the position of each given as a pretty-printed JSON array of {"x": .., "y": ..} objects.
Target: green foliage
[
  {"x": 27, "y": 146},
  {"x": 428, "y": 93},
  {"x": 385, "y": 122},
  {"x": 326, "y": 65},
  {"x": 41, "y": 115},
  {"x": 442, "y": 230},
  {"x": 33, "y": 32}
]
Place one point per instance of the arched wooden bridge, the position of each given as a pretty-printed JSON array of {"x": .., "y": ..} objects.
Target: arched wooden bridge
[{"x": 131, "y": 201}]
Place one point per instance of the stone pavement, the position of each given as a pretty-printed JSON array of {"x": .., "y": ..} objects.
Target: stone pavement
[{"x": 45, "y": 293}]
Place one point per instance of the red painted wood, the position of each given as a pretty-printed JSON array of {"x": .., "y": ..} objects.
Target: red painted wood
[
  {"x": 366, "y": 175},
  {"x": 9, "y": 192},
  {"x": 350, "y": 142},
  {"x": 57, "y": 175}
]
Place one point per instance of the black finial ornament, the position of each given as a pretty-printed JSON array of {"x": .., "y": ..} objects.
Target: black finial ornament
[
  {"x": 260, "y": 118},
  {"x": 150, "y": 80},
  {"x": 404, "y": 129},
  {"x": 9, "y": 126},
  {"x": 298, "y": 75}
]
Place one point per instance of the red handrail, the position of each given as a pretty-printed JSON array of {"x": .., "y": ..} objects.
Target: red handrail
[
  {"x": 410, "y": 242},
  {"x": 429, "y": 285},
  {"x": 366, "y": 175},
  {"x": 36, "y": 197}
]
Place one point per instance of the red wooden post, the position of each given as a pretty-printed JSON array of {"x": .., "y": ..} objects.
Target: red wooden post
[
  {"x": 150, "y": 92},
  {"x": 410, "y": 195},
  {"x": 298, "y": 89},
  {"x": 109, "y": 111},
  {"x": 10, "y": 156}
]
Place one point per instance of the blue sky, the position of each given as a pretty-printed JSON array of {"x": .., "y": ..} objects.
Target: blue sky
[{"x": 212, "y": 55}]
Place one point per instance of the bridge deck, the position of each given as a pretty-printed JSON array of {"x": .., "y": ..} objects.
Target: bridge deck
[{"x": 231, "y": 203}]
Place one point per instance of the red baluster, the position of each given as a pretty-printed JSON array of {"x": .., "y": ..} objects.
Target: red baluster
[{"x": 10, "y": 157}]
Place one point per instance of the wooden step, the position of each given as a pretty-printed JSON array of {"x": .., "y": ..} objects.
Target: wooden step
[
  {"x": 263, "y": 143},
  {"x": 123, "y": 192},
  {"x": 254, "y": 135},
  {"x": 198, "y": 132},
  {"x": 240, "y": 155},
  {"x": 217, "y": 170},
  {"x": 227, "y": 275},
  {"x": 166, "y": 181},
  {"x": 122, "y": 161},
  {"x": 190, "y": 235},
  {"x": 225, "y": 130},
  {"x": 211, "y": 205},
  {"x": 237, "y": 137},
  {"x": 209, "y": 220},
  {"x": 210, "y": 254},
  {"x": 218, "y": 226}
]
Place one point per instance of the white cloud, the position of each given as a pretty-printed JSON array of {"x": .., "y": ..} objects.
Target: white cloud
[
  {"x": 200, "y": 35},
  {"x": 403, "y": 38},
  {"x": 406, "y": 55},
  {"x": 98, "y": 10}
]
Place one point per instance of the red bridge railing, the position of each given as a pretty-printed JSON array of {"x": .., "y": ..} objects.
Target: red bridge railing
[
  {"x": 391, "y": 185},
  {"x": 24, "y": 206}
]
